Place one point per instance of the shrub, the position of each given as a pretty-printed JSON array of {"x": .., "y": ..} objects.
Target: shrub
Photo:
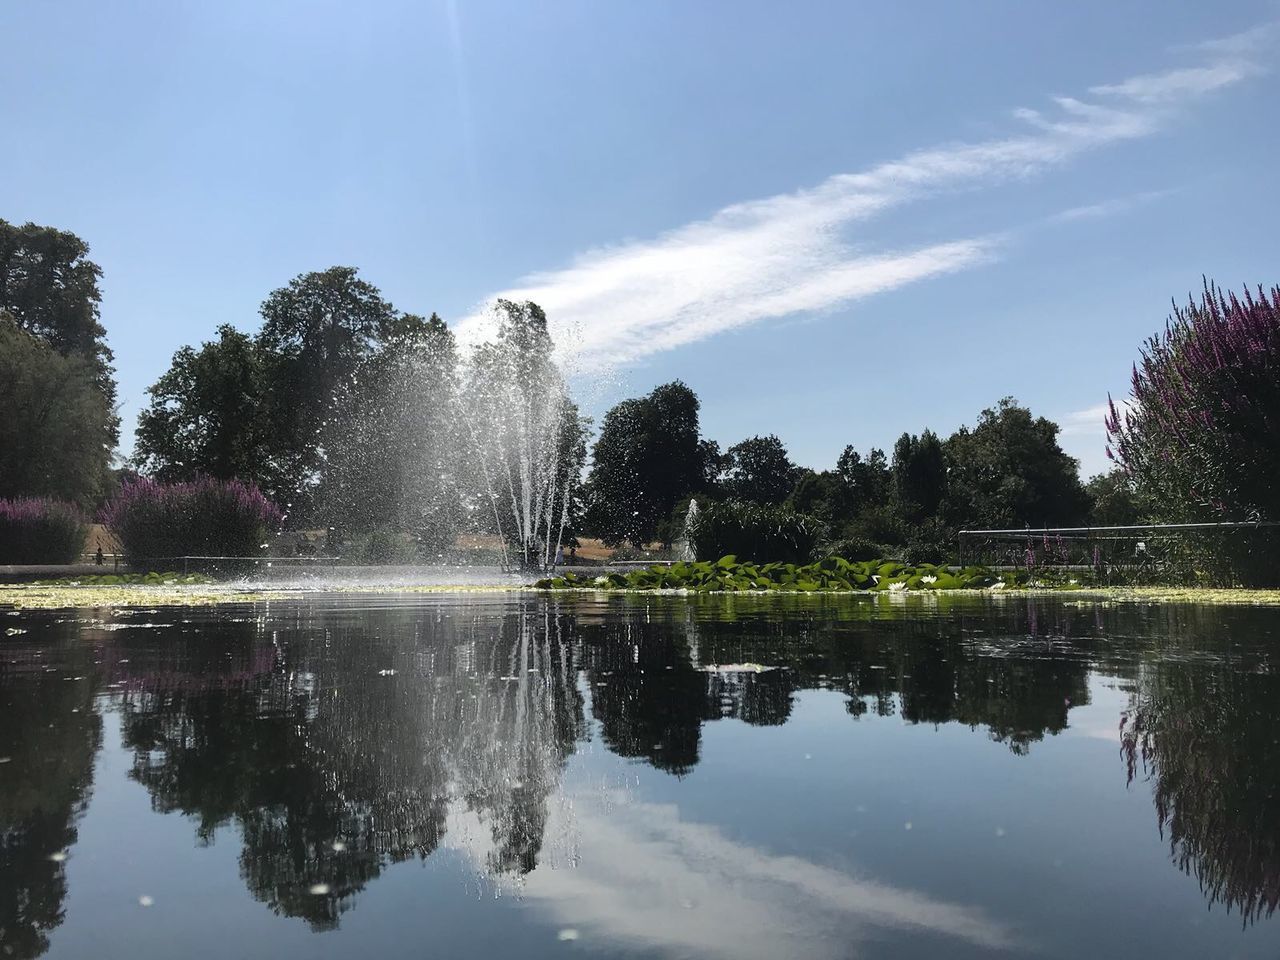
[
  {"x": 39, "y": 530},
  {"x": 1201, "y": 437},
  {"x": 834, "y": 574},
  {"x": 206, "y": 517},
  {"x": 754, "y": 531},
  {"x": 381, "y": 545},
  {"x": 855, "y": 548}
]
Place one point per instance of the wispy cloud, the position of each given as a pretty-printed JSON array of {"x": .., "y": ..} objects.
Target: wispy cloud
[
  {"x": 1109, "y": 208},
  {"x": 791, "y": 253},
  {"x": 1084, "y": 435}
]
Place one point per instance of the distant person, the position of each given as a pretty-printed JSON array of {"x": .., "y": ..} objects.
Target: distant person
[
  {"x": 559, "y": 557},
  {"x": 98, "y": 558}
]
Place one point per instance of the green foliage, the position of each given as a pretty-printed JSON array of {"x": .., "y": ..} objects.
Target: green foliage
[
  {"x": 919, "y": 475},
  {"x": 759, "y": 470},
  {"x": 381, "y": 545},
  {"x": 830, "y": 574},
  {"x": 1201, "y": 437},
  {"x": 211, "y": 415},
  {"x": 825, "y": 496},
  {"x": 647, "y": 459},
  {"x": 57, "y": 429},
  {"x": 49, "y": 287},
  {"x": 1114, "y": 500},
  {"x": 1009, "y": 471},
  {"x": 40, "y": 531},
  {"x": 389, "y": 455},
  {"x": 754, "y": 530},
  {"x": 151, "y": 579},
  {"x": 855, "y": 548}
]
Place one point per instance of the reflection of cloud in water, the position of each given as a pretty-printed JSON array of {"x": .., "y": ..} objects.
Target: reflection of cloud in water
[{"x": 651, "y": 880}]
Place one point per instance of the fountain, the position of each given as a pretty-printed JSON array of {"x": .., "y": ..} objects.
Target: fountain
[
  {"x": 682, "y": 549},
  {"x": 523, "y": 435}
]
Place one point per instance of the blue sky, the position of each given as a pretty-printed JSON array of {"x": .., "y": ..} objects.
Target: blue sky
[{"x": 835, "y": 221}]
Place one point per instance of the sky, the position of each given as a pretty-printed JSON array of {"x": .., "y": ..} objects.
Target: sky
[{"x": 835, "y": 221}]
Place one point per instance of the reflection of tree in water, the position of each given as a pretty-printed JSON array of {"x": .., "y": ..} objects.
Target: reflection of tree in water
[
  {"x": 654, "y": 680},
  {"x": 345, "y": 754},
  {"x": 1205, "y": 734},
  {"x": 50, "y": 736}
]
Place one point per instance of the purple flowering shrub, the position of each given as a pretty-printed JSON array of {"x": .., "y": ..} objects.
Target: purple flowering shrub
[
  {"x": 205, "y": 517},
  {"x": 39, "y": 530},
  {"x": 1201, "y": 437}
]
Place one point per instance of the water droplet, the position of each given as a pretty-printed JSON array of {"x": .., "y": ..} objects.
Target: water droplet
[
  {"x": 319, "y": 889},
  {"x": 907, "y": 825},
  {"x": 145, "y": 901},
  {"x": 58, "y": 857},
  {"x": 999, "y": 831},
  {"x": 568, "y": 933},
  {"x": 339, "y": 846}
]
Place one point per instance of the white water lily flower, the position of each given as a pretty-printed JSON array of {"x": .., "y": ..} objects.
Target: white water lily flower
[
  {"x": 895, "y": 587},
  {"x": 929, "y": 578},
  {"x": 600, "y": 581},
  {"x": 998, "y": 585}
]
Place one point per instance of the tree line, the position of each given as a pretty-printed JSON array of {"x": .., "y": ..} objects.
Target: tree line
[
  {"x": 1008, "y": 470},
  {"x": 352, "y": 413}
]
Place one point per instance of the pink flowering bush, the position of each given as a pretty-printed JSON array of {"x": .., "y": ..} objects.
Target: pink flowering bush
[
  {"x": 205, "y": 517},
  {"x": 1201, "y": 437},
  {"x": 40, "y": 530}
]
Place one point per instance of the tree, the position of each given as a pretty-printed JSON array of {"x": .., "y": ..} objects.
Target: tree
[
  {"x": 58, "y": 428},
  {"x": 759, "y": 470},
  {"x": 825, "y": 496},
  {"x": 919, "y": 475},
  {"x": 1114, "y": 500},
  {"x": 210, "y": 414},
  {"x": 390, "y": 458},
  {"x": 647, "y": 459},
  {"x": 868, "y": 480},
  {"x": 317, "y": 331},
  {"x": 49, "y": 287},
  {"x": 1008, "y": 471}
]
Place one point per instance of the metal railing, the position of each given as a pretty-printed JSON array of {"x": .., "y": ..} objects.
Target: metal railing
[{"x": 1132, "y": 552}]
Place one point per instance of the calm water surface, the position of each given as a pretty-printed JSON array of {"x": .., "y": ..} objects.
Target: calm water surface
[{"x": 501, "y": 776}]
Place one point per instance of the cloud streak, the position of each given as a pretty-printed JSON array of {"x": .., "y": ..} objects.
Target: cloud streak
[{"x": 792, "y": 253}]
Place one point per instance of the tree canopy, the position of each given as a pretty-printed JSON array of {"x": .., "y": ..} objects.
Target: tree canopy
[
  {"x": 649, "y": 457},
  {"x": 1009, "y": 471},
  {"x": 759, "y": 470},
  {"x": 58, "y": 428}
]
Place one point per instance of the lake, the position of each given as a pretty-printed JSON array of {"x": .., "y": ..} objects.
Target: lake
[{"x": 518, "y": 775}]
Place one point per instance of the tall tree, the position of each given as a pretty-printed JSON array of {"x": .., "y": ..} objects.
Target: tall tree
[
  {"x": 868, "y": 479},
  {"x": 1009, "y": 471},
  {"x": 58, "y": 428},
  {"x": 647, "y": 459},
  {"x": 919, "y": 475},
  {"x": 210, "y": 414},
  {"x": 759, "y": 470},
  {"x": 391, "y": 457},
  {"x": 49, "y": 286},
  {"x": 318, "y": 330}
]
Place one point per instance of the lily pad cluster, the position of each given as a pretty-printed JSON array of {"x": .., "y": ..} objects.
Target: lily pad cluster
[
  {"x": 831, "y": 574},
  {"x": 126, "y": 579}
]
